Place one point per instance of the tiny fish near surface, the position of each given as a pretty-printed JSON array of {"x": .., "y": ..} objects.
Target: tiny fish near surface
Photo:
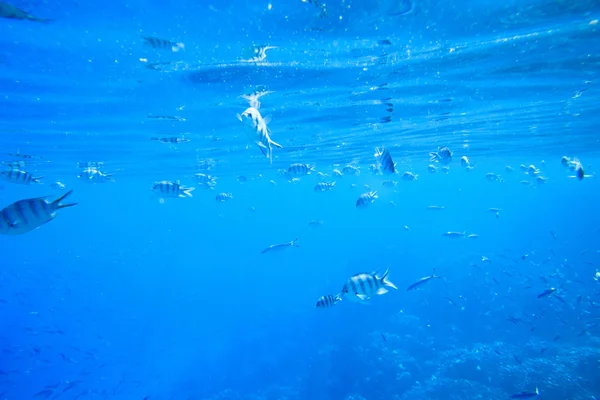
[
  {"x": 26, "y": 215},
  {"x": 280, "y": 247}
]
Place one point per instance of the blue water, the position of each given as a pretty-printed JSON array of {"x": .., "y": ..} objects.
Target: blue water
[{"x": 130, "y": 295}]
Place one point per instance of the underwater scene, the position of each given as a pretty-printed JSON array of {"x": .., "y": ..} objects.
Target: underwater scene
[{"x": 299, "y": 200}]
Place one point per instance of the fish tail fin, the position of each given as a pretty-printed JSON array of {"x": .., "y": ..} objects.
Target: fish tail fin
[
  {"x": 386, "y": 282},
  {"x": 188, "y": 191},
  {"x": 275, "y": 144},
  {"x": 37, "y": 179},
  {"x": 57, "y": 205},
  {"x": 177, "y": 46},
  {"x": 332, "y": 184},
  {"x": 294, "y": 242},
  {"x": 374, "y": 195}
]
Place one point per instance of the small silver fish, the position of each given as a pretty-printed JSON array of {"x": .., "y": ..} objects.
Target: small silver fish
[
  {"x": 172, "y": 189},
  {"x": 435, "y": 207},
  {"x": 93, "y": 175},
  {"x": 493, "y": 177},
  {"x": 337, "y": 173},
  {"x": 454, "y": 234},
  {"x": 464, "y": 162},
  {"x": 423, "y": 281},
  {"x": 258, "y": 132},
  {"x": 26, "y": 215},
  {"x": 365, "y": 199},
  {"x": 58, "y": 185},
  {"x": 206, "y": 180},
  {"x": 389, "y": 183},
  {"x": 431, "y": 168},
  {"x": 257, "y": 53},
  {"x": 280, "y": 247}
]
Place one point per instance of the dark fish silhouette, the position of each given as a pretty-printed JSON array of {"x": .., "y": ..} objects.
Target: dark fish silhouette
[{"x": 11, "y": 12}]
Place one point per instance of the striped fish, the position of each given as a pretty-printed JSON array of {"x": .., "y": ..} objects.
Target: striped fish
[
  {"x": 324, "y": 186},
  {"x": 365, "y": 199},
  {"x": 443, "y": 155},
  {"x": 20, "y": 177},
  {"x": 26, "y": 215},
  {"x": 157, "y": 43},
  {"x": 409, "y": 176},
  {"x": 351, "y": 170},
  {"x": 172, "y": 189},
  {"x": 171, "y": 139},
  {"x": 299, "y": 169},
  {"x": 328, "y": 301},
  {"x": 258, "y": 131},
  {"x": 384, "y": 161},
  {"x": 223, "y": 197},
  {"x": 361, "y": 287},
  {"x": 14, "y": 164}
]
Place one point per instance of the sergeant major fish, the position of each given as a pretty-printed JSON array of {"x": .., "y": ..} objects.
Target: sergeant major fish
[
  {"x": 324, "y": 186},
  {"x": 280, "y": 247},
  {"x": 299, "y": 169},
  {"x": 350, "y": 170},
  {"x": 365, "y": 199},
  {"x": 26, "y": 215},
  {"x": 157, "y": 43},
  {"x": 171, "y": 139},
  {"x": 443, "y": 155},
  {"x": 20, "y": 177},
  {"x": 361, "y": 287},
  {"x": 384, "y": 161},
  {"x": 172, "y": 189},
  {"x": 258, "y": 131},
  {"x": 328, "y": 301},
  {"x": 223, "y": 197}
]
